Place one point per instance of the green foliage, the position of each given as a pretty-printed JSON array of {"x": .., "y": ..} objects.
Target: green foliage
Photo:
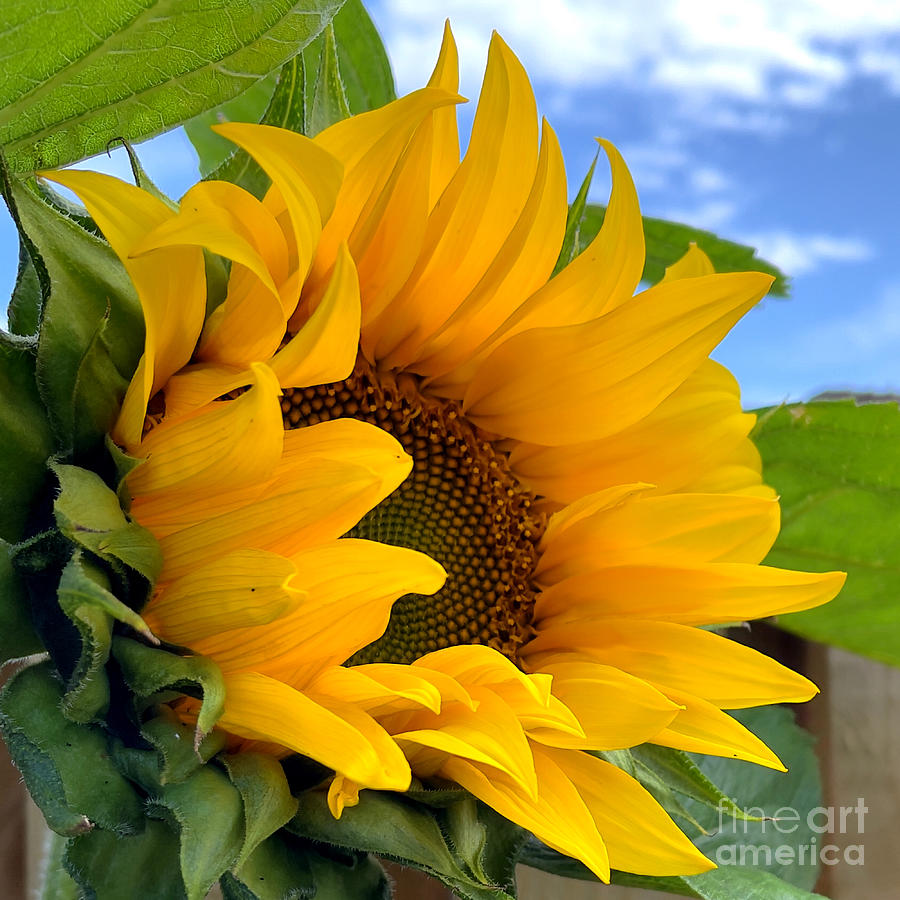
[
  {"x": 17, "y": 635},
  {"x": 133, "y": 68},
  {"x": 837, "y": 469}
]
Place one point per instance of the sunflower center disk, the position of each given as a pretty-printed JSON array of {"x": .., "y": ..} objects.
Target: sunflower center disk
[{"x": 460, "y": 505}]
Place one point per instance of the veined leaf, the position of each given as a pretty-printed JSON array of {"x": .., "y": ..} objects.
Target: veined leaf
[
  {"x": 80, "y": 75},
  {"x": 836, "y": 466},
  {"x": 668, "y": 241}
]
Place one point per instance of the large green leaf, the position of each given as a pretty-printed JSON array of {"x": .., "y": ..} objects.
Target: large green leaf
[
  {"x": 343, "y": 71},
  {"x": 17, "y": 635},
  {"x": 79, "y": 75},
  {"x": 668, "y": 241},
  {"x": 836, "y": 466}
]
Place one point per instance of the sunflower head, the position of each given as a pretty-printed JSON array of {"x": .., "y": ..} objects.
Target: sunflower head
[{"x": 411, "y": 507}]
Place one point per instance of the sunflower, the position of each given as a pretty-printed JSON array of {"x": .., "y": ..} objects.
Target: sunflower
[{"x": 432, "y": 509}]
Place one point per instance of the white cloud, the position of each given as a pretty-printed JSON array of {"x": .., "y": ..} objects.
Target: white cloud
[
  {"x": 799, "y": 254},
  {"x": 711, "y": 215},
  {"x": 759, "y": 52}
]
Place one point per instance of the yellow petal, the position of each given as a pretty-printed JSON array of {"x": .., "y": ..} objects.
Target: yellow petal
[
  {"x": 528, "y": 695},
  {"x": 584, "y": 382},
  {"x": 305, "y": 175},
  {"x": 693, "y": 432},
  {"x": 350, "y": 587},
  {"x": 234, "y": 442},
  {"x": 170, "y": 283},
  {"x": 325, "y": 347},
  {"x": 199, "y": 384},
  {"x": 615, "y": 709},
  {"x": 475, "y": 213},
  {"x": 368, "y": 146},
  {"x": 686, "y": 659},
  {"x": 600, "y": 279},
  {"x": 375, "y": 688},
  {"x": 373, "y": 461},
  {"x": 342, "y": 793},
  {"x": 701, "y": 727},
  {"x": 689, "y": 595},
  {"x": 558, "y": 816},
  {"x": 245, "y": 588},
  {"x": 445, "y": 160},
  {"x": 638, "y": 833},
  {"x": 491, "y": 736},
  {"x": 342, "y": 738},
  {"x": 670, "y": 529},
  {"x": 521, "y": 265},
  {"x": 693, "y": 264}
]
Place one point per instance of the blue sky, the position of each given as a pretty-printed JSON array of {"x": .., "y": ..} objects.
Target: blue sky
[{"x": 773, "y": 123}]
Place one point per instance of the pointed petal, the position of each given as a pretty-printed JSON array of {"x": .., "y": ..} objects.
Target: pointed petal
[
  {"x": 694, "y": 431},
  {"x": 475, "y": 213},
  {"x": 245, "y": 588},
  {"x": 201, "y": 383},
  {"x": 701, "y": 727},
  {"x": 325, "y": 347},
  {"x": 350, "y": 587},
  {"x": 638, "y": 833},
  {"x": 492, "y": 736},
  {"x": 584, "y": 382},
  {"x": 306, "y": 176},
  {"x": 615, "y": 709},
  {"x": 170, "y": 283},
  {"x": 521, "y": 265},
  {"x": 670, "y": 529},
  {"x": 558, "y": 817},
  {"x": 714, "y": 593},
  {"x": 343, "y": 738},
  {"x": 368, "y": 146},
  {"x": 376, "y": 688},
  {"x": 234, "y": 442},
  {"x": 445, "y": 161},
  {"x": 690, "y": 660},
  {"x": 693, "y": 264}
]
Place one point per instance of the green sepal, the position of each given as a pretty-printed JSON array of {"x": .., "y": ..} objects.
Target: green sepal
[
  {"x": 572, "y": 243},
  {"x": 174, "y": 742},
  {"x": 92, "y": 327},
  {"x": 284, "y": 866},
  {"x": 18, "y": 637},
  {"x": 207, "y": 809},
  {"x": 66, "y": 767},
  {"x": 89, "y": 513},
  {"x": 25, "y": 437},
  {"x": 488, "y": 843},
  {"x": 149, "y": 671},
  {"x": 329, "y": 99},
  {"x": 26, "y": 302},
  {"x": 108, "y": 867},
  {"x": 268, "y": 803},
  {"x": 393, "y": 827}
]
